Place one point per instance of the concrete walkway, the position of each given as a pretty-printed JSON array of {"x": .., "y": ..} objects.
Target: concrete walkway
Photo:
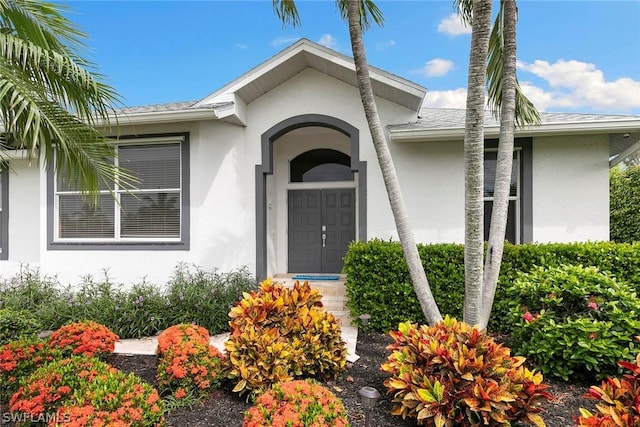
[{"x": 148, "y": 345}]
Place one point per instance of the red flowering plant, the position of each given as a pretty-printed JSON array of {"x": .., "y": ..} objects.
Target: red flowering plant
[
  {"x": 188, "y": 365},
  {"x": 573, "y": 320},
  {"x": 21, "y": 358},
  {"x": 85, "y": 338},
  {"x": 84, "y": 391},
  {"x": 298, "y": 403},
  {"x": 178, "y": 334}
]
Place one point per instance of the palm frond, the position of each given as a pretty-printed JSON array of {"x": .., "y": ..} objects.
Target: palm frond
[
  {"x": 287, "y": 12},
  {"x": 50, "y": 96},
  {"x": 526, "y": 113},
  {"x": 465, "y": 10},
  {"x": 370, "y": 13}
]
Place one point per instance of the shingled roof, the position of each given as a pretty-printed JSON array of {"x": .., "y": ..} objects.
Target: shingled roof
[{"x": 451, "y": 118}]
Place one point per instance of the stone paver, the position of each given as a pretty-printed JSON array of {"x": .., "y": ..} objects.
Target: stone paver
[{"x": 148, "y": 345}]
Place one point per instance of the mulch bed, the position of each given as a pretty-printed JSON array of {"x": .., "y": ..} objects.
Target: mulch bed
[{"x": 225, "y": 409}]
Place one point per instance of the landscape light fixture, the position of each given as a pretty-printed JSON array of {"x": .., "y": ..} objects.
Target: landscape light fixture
[
  {"x": 364, "y": 319},
  {"x": 369, "y": 397}
]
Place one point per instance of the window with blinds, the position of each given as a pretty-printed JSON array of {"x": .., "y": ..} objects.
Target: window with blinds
[
  {"x": 513, "y": 211},
  {"x": 150, "y": 212}
]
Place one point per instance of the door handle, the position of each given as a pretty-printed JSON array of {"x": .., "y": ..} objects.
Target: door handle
[{"x": 324, "y": 236}]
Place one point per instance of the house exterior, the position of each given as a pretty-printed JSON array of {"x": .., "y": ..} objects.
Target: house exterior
[{"x": 276, "y": 171}]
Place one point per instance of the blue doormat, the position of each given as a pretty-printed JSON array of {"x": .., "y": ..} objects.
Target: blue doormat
[{"x": 312, "y": 277}]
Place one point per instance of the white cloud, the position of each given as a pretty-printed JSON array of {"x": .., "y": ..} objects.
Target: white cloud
[
  {"x": 453, "y": 26},
  {"x": 242, "y": 46},
  {"x": 437, "y": 67},
  {"x": 385, "y": 45},
  {"x": 456, "y": 98},
  {"x": 576, "y": 84},
  {"x": 329, "y": 41},
  {"x": 279, "y": 41}
]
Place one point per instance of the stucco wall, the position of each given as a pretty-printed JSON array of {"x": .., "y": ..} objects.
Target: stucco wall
[
  {"x": 431, "y": 175},
  {"x": 24, "y": 213},
  {"x": 571, "y": 188},
  {"x": 222, "y": 185}
]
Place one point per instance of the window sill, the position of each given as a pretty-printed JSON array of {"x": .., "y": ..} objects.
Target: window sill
[{"x": 119, "y": 246}]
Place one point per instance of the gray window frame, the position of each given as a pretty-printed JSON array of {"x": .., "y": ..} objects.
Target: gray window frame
[
  {"x": 182, "y": 244},
  {"x": 525, "y": 177},
  {"x": 4, "y": 212}
]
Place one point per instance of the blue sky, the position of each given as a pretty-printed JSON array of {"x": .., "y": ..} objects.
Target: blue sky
[{"x": 580, "y": 56}]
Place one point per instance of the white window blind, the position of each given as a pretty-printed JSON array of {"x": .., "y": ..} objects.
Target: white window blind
[{"x": 151, "y": 211}]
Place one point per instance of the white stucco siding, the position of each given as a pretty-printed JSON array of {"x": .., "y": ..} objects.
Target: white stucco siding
[
  {"x": 570, "y": 188},
  {"x": 432, "y": 179},
  {"x": 222, "y": 226},
  {"x": 24, "y": 212}
]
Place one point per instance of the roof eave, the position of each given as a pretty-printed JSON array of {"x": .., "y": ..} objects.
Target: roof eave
[
  {"x": 160, "y": 117},
  {"x": 457, "y": 133}
]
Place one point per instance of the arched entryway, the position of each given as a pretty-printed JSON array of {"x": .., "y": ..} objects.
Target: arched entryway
[
  {"x": 321, "y": 220},
  {"x": 327, "y": 177}
]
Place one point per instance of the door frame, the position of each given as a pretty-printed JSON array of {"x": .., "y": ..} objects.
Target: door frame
[
  {"x": 268, "y": 138},
  {"x": 323, "y": 220}
]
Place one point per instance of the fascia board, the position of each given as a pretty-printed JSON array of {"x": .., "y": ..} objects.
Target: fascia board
[
  {"x": 160, "y": 117},
  {"x": 449, "y": 134}
]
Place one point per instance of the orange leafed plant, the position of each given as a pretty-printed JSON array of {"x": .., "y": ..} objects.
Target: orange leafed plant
[
  {"x": 279, "y": 334},
  {"x": 618, "y": 399},
  {"x": 452, "y": 374}
]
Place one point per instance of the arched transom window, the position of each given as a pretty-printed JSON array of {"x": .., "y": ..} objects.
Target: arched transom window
[{"x": 321, "y": 165}]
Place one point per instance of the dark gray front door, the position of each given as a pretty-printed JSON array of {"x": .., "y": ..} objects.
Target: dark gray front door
[{"x": 321, "y": 226}]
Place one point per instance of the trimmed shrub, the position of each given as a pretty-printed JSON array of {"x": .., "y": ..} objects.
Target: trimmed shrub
[
  {"x": 297, "y": 404},
  {"x": 378, "y": 281},
  {"x": 453, "y": 374},
  {"x": 86, "y": 391},
  {"x": 618, "y": 400},
  {"x": 19, "y": 359},
  {"x": 279, "y": 334},
  {"x": 571, "y": 320},
  {"x": 180, "y": 334},
  {"x": 189, "y": 366},
  {"x": 85, "y": 338},
  {"x": 624, "y": 199},
  {"x": 15, "y": 324}
]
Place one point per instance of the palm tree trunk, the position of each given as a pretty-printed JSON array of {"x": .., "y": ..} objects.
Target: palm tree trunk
[
  {"x": 405, "y": 234},
  {"x": 474, "y": 161},
  {"x": 504, "y": 164}
]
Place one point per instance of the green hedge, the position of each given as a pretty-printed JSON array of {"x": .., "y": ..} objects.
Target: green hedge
[
  {"x": 378, "y": 281},
  {"x": 624, "y": 199}
]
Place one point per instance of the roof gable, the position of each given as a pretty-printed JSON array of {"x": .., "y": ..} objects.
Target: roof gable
[{"x": 306, "y": 54}]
